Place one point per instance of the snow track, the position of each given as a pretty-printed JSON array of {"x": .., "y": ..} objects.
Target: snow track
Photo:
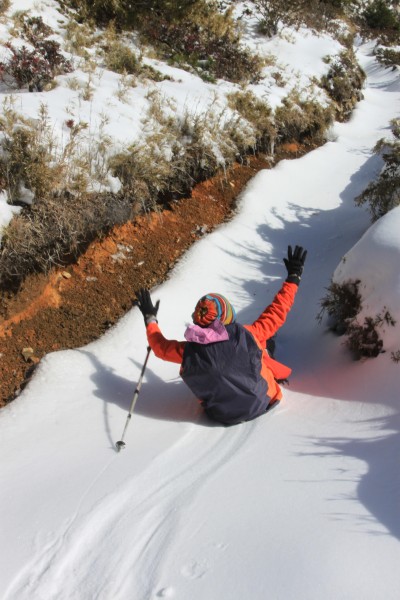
[{"x": 140, "y": 516}]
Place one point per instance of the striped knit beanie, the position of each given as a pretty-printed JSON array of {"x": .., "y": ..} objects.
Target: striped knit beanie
[{"x": 212, "y": 307}]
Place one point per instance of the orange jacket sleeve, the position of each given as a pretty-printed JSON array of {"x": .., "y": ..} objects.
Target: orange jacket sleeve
[
  {"x": 170, "y": 350},
  {"x": 262, "y": 329},
  {"x": 275, "y": 314}
]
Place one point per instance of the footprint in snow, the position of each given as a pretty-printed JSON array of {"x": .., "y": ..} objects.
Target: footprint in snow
[
  {"x": 221, "y": 546},
  {"x": 194, "y": 570},
  {"x": 167, "y": 592}
]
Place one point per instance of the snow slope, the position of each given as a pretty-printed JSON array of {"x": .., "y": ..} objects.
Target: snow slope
[
  {"x": 302, "y": 503},
  {"x": 374, "y": 261},
  {"x": 116, "y": 115}
]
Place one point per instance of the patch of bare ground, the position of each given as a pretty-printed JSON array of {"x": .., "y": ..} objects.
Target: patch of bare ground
[{"x": 71, "y": 307}]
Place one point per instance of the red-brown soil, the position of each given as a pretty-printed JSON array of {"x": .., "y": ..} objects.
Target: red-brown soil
[{"x": 70, "y": 307}]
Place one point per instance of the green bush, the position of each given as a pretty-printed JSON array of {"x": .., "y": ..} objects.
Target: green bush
[
  {"x": 384, "y": 194},
  {"x": 378, "y": 15},
  {"x": 342, "y": 303}
]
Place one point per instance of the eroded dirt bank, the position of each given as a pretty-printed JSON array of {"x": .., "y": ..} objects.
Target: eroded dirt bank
[{"x": 70, "y": 307}]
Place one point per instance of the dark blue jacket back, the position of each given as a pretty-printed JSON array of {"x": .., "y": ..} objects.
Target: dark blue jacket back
[{"x": 225, "y": 376}]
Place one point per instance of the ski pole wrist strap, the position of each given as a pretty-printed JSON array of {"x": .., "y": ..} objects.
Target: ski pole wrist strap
[
  {"x": 293, "y": 279},
  {"x": 150, "y": 319}
]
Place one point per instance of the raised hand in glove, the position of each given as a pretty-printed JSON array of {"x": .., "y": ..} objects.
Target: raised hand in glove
[
  {"x": 146, "y": 306},
  {"x": 294, "y": 264}
]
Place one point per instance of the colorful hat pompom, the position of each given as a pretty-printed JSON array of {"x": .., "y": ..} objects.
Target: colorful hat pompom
[{"x": 211, "y": 307}]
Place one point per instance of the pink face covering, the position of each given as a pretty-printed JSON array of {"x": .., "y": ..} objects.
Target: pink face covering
[{"x": 215, "y": 332}]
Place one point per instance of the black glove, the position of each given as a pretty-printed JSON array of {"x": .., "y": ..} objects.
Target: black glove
[
  {"x": 294, "y": 264},
  {"x": 146, "y": 307}
]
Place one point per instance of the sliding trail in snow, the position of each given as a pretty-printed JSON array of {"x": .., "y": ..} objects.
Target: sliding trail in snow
[{"x": 123, "y": 536}]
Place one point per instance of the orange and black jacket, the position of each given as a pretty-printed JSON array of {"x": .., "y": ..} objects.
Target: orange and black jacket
[{"x": 267, "y": 324}]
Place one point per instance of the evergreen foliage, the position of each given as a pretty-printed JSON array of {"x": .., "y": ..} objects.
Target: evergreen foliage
[
  {"x": 380, "y": 15},
  {"x": 383, "y": 194},
  {"x": 343, "y": 303}
]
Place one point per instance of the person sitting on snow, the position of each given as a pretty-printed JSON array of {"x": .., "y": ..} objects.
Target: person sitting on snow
[{"x": 225, "y": 364}]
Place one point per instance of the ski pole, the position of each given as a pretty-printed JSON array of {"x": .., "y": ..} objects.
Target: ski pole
[{"x": 120, "y": 445}]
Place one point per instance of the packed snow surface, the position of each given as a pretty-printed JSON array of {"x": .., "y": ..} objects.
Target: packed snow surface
[{"x": 302, "y": 503}]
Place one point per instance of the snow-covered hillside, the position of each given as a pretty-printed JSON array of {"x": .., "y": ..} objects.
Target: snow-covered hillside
[
  {"x": 302, "y": 503},
  {"x": 113, "y": 113}
]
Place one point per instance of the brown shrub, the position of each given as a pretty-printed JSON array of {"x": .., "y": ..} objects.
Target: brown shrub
[
  {"x": 343, "y": 83},
  {"x": 300, "y": 120}
]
